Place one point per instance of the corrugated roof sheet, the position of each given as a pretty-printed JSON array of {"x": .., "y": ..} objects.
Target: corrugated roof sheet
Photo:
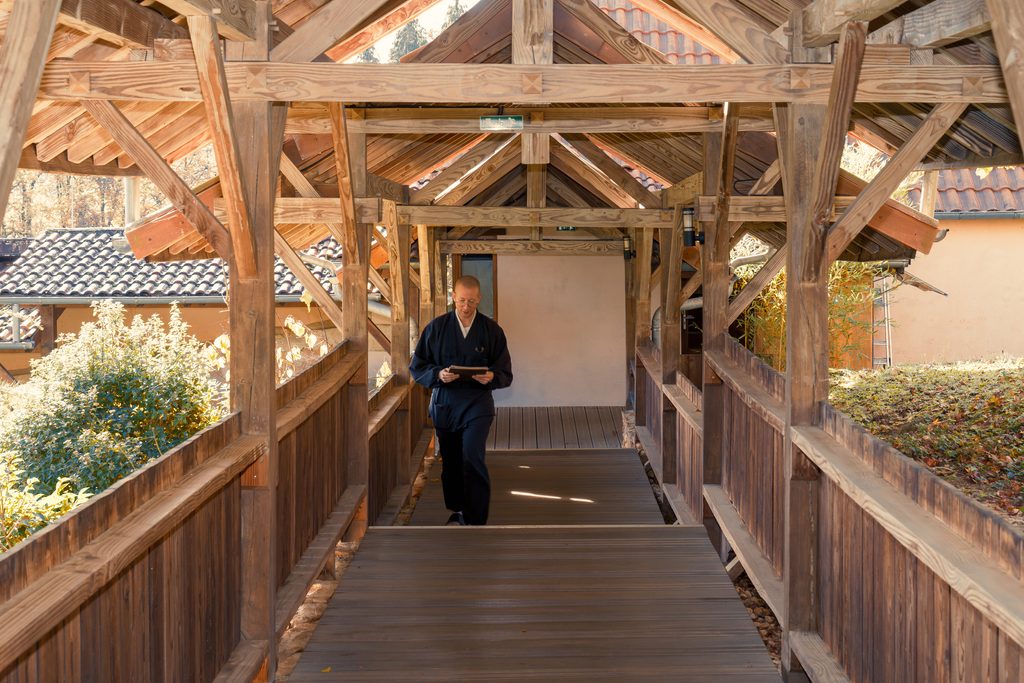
[
  {"x": 675, "y": 45},
  {"x": 964, "y": 191},
  {"x": 84, "y": 263}
]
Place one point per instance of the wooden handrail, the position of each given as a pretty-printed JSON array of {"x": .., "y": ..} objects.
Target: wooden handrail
[
  {"x": 685, "y": 407},
  {"x": 386, "y": 408},
  {"x": 771, "y": 409},
  {"x": 978, "y": 579},
  {"x": 43, "y": 604},
  {"x": 309, "y": 401}
]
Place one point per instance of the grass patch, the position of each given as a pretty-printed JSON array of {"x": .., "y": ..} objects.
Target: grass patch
[{"x": 965, "y": 421}]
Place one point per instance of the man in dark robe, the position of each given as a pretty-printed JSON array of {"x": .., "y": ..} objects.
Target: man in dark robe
[{"x": 462, "y": 408}]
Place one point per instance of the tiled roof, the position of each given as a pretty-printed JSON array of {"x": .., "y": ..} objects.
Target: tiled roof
[
  {"x": 29, "y": 324},
  {"x": 675, "y": 45},
  {"x": 85, "y": 263},
  {"x": 964, "y": 191}
]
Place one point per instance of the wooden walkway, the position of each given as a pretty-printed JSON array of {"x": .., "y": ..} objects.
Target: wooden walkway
[
  {"x": 557, "y": 427},
  {"x": 603, "y": 592}
]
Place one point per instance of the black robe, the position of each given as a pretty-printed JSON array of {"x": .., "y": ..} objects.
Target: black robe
[{"x": 454, "y": 405}]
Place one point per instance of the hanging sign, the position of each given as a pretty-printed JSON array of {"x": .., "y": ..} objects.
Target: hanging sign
[{"x": 501, "y": 123}]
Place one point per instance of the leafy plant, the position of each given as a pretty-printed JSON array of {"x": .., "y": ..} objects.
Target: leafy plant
[
  {"x": 850, "y": 293},
  {"x": 23, "y": 511},
  {"x": 109, "y": 399}
]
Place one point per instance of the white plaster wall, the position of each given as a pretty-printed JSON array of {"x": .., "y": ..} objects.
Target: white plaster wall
[
  {"x": 978, "y": 265},
  {"x": 565, "y": 319}
]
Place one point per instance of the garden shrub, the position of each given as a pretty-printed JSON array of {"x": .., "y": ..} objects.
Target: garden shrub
[
  {"x": 23, "y": 511},
  {"x": 109, "y": 399}
]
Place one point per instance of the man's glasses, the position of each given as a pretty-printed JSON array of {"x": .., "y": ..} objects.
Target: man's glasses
[{"x": 463, "y": 302}]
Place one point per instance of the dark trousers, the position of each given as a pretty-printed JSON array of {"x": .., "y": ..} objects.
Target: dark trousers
[{"x": 464, "y": 478}]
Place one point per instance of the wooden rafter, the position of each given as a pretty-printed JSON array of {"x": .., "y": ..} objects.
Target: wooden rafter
[
  {"x": 163, "y": 176},
  {"x": 589, "y": 150},
  {"x": 591, "y": 19},
  {"x": 346, "y": 197},
  {"x": 324, "y": 29},
  {"x": 590, "y": 178},
  {"x": 489, "y": 172},
  {"x": 1008, "y": 30},
  {"x": 122, "y": 22},
  {"x": 22, "y": 56},
  {"x": 566, "y": 83},
  {"x": 369, "y": 33},
  {"x": 61, "y": 164},
  {"x": 892, "y": 174},
  {"x": 670, "y": 15},
  {"x": 219, "y": 115},
  {"x": 736, "y": 27},
  {"x": 476, "y": 153}
]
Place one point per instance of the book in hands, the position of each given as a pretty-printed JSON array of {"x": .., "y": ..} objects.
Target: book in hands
[{"x": 467, "y": 372}]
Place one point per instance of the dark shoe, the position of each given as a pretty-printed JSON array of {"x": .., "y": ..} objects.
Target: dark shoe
[{"x": 456, "y": 520}]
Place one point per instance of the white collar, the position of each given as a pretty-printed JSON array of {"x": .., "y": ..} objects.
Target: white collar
[{"x": 465, "y": 328}]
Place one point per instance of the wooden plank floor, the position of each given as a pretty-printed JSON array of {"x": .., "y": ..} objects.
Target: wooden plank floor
[
  {"x": 557, "y": 427},
  {"x": 556, "y": 487},
  {"x": 596, "y": 603}
]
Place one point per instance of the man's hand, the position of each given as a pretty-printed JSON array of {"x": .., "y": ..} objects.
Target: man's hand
[
  {"x": 447, "y": 376},
  {"x": 485, "y": 378}
]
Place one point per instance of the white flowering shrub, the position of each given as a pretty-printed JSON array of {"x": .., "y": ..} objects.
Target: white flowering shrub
[{"x": 109, "y": 399}]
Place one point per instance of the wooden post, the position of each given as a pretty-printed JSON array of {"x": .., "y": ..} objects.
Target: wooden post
[
  {"x": 259, "y": 131},
  {"x": 630, "y": 331},
  {"x": 398, "y": 255},
  {"x": 350, "y": 160},
  {"x": 425, "y": 247},
  {"x": 22, "y": 57},
  {"x": 715, "y": 267},
  {"x": 439, "y": 271},
  {"x": 643, "y": 244},
  {"x": 671, "y": 258}
]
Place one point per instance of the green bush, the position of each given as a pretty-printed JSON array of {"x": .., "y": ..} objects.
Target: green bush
[
  {"x": 22, "y": 510},
  {"x": 109, "y": 399}
]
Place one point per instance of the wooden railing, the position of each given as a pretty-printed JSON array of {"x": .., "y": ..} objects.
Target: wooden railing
[
  {"x": 914, "y": 580},
  {"x": 143, "y": 581}
]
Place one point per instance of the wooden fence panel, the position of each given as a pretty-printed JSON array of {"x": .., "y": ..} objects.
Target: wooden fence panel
[{"x": 170, "y": 609}]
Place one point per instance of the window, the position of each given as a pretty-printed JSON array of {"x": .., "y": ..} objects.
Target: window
[{"x": 482, "y": 267}]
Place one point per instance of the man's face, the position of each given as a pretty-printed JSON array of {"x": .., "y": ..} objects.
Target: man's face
[{"x": 466, "y": 300}]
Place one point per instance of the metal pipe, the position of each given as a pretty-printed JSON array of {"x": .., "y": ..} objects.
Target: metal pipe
[
  {"x": 374, "y": 303},
  {"x": 978, "y": 215},
  {"x": 16, "y": 323},
  {"x": 17, "y": 346}
]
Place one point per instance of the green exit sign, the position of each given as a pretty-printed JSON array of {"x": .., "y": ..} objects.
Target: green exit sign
[{"x": 500, "y": 123}]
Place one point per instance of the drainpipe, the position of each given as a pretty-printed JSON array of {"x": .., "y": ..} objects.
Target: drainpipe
[
  {"x": 980, "y": 215},
  {"x": 16, "y": 344}
]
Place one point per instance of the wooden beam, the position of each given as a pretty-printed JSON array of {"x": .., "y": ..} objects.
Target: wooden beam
[
  {"x": 536, "y": 146},
  {"x": 219, "y": 115},
  {"x": 589, "y": 150},
  {"x": 768, "y": 180},
  {"x": 324, "y": 29},
  {"x": 735, "y": 25},
  {"x": 670, "y": 15},
  {"x": 122, "y": 22},
  {"x": 587, "y": 18},
  {"x": 533, "y": 247},
  {"x": 291, "y": 210},
  {"x": 1008, "y": 31},
  {"x": 532, "y": 32},
  {"x": 481, "y": 149},
  {"x": 536, "y": 186},
  {"x": 293, "y": 261},
  {"x": 163, "y": 176},
  {"x": 561, "y": 83},
  {"x": 644, "y": 245},
  {"x": 381, "y": 24},
  {"x": 590, "y": 178},
  {"x": 236, "y": 19},
  {"x": 671, "y": 241},
  {"x": 611, "y": 119},
  {"x": 938, "y": 23},
  {"x": 823, "y": 20},
  {"x": 486, "y": 174},
  {"x": 871, "y": 199},
  {"x": 22, "y": 56}
]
